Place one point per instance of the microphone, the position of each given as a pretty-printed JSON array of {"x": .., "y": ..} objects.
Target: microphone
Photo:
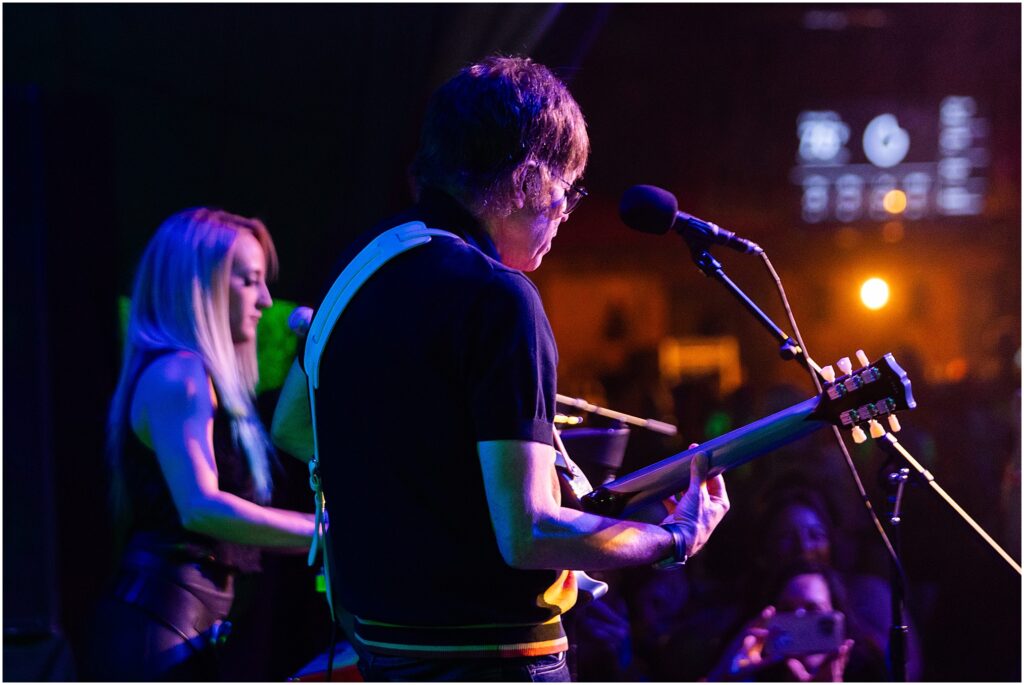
[
  {"x": 300, "y": 320},
  {"x": 650, "y": 209}
]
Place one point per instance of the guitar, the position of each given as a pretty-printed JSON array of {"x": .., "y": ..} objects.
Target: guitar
[{"x": 856, "y": 399}]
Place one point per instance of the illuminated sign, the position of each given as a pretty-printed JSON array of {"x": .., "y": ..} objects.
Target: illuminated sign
[{"x": 897, "y": 161}]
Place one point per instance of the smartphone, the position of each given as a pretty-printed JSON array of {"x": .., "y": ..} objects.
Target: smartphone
[{"x": 811, "y": 632}]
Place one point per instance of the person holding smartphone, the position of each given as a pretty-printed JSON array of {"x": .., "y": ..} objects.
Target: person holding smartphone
[{"x": 804, "y": 634}]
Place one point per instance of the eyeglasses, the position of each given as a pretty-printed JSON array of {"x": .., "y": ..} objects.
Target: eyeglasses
[{"x": 573, "y": 194}]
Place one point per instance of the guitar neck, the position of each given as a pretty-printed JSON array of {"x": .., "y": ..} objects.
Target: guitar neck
[{"x": 630, "y": 493}]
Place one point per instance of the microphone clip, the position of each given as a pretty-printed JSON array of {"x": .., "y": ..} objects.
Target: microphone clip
[
  {"x": 704, "y": 260},
  {"x": 712, "y": 234}
]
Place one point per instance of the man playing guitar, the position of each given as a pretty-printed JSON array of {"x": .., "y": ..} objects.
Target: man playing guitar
[{"x": 448, "y": 546}]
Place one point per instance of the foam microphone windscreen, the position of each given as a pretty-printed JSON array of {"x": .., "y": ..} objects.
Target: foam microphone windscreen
[
  {"x": 648, "y": 209},
  {"x": 300, "y": 320}
]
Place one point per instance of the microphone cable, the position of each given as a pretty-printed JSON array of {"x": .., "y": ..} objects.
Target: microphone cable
[{"x": 890, "y": 550}]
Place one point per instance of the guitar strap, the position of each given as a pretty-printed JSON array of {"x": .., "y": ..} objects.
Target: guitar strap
[{"x": 379, "y": 252}]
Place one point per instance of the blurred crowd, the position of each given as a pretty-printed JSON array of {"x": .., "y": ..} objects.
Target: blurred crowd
[{"x": 798, "y": 539}]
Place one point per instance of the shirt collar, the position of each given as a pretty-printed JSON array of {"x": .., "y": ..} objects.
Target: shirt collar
[{"x": 438, "y": 209}]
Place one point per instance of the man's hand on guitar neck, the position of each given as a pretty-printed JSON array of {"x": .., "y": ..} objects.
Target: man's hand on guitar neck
[{"x": 702, "y": 506}]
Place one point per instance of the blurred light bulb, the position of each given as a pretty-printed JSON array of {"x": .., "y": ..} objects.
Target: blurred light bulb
[
  {"x": 874, "y": 293},
  {"x": 895, "y": 201}
]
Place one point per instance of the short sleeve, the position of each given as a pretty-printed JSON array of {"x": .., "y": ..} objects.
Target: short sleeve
[{"x": 511, "y": 362}]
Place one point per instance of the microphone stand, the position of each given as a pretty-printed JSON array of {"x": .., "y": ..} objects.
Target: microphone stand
[
  {"x": 891, "y": 446},
  {"x": 899, "y": 630},
  {"x": 898, "y": 479},
  {"x": 790, "y": 350},
  {"x": 712, "y": 268}
]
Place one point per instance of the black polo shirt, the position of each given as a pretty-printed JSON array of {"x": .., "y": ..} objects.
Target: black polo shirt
[{"x": 442, "y": 348}]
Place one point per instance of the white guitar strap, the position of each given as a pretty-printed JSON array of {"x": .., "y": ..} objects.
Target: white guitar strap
[{"x": 379, "y": 252}]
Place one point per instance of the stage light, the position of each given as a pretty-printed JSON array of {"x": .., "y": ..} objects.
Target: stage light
[
  {"x": 885, "y": 143},
  {"x": 874, "y": 293},
  {"x": 938, "y": 165},
  {"x": 895, "y": 201}
]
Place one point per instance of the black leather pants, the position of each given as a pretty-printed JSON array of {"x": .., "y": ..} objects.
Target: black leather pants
[{"x": 163, "y": 621}]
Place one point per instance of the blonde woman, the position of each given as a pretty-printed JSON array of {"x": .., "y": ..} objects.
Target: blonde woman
[{"x": 189, "y": 458}]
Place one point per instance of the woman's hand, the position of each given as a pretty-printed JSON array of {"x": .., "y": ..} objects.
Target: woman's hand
[
  {"x": 822, "y": 670},
  {"x": 744, "y": 656}
]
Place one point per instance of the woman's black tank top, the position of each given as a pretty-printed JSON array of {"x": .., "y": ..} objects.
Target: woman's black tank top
[{"x": 155, "y": 524}]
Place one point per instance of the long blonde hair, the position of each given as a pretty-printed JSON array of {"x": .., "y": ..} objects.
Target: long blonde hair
[{"x": 180, "y": 302}]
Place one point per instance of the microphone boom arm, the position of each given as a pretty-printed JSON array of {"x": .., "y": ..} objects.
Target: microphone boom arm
[
  {"x": 649, "y": 424},
  {"x": 712, "y": 268},
  {"x": 891, "y": 446}
]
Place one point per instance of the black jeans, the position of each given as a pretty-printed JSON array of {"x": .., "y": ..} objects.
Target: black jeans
[{"x": 539, "y": 669}]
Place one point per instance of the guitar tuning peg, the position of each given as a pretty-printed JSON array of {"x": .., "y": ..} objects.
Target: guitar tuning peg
[
  {"x": 858, "y": 435},
  {"x": 828, "y": 373},
  {"x": 894, "y": 423},
  {"x": 876, "y": 429},
  {"x": 844, "y": 365},
  {"x": 863, "y": 358}
]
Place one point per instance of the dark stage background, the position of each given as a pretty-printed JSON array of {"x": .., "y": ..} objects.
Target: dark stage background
[{"x": 115, "y": 116}]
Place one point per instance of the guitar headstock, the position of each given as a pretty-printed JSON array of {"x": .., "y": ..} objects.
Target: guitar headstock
[{"x": 862, "y": 396}]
